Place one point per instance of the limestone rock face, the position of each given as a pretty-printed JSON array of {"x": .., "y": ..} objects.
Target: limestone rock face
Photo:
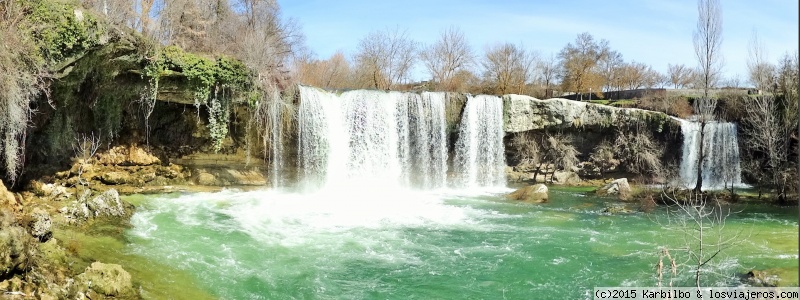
[
  {"x": 618, "y": 187},
  {"x": 536, "y": 193},
  {"x": 116, "y": 178},
  {"x": 106, "y": 279},
  {"x": 228, "y": 177},
  {"x": 523, "y": 113},
  {"x": 130, "y": 155}
]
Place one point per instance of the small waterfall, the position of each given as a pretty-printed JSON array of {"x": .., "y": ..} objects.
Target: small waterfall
[
  {"x": 275, "y": 137},
  {"x": 372, "y": 139},
  {"x": 479, "y": 150},
  {"x": 720, "y": 166}
]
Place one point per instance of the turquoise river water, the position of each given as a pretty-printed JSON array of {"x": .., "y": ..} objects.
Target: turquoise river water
[{"x": 396, "y": 244}]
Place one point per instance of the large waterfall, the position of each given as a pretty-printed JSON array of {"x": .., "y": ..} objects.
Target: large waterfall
[
  {"x": 372, "y": 139},
  {"x": 378, "y": 139},
  {"x": 720, "y": 165}
]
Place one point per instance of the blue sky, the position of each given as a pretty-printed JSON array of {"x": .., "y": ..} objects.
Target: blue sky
[{"x": 655, "y": 32}]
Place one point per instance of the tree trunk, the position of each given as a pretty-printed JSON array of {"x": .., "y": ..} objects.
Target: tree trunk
[{"x": 699, "y": 185}]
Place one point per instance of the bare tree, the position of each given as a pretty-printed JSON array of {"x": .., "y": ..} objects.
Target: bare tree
[
  {"x": 707, "y": 40},
  {"x": 679, "y": 75},
  {"x": 767, "y": 134},
  {"x": 528, "y": 154},
  {"x": 333, "y": 73},
  {"x": 634, "y": 75},
  {"x": 561, "y": 152},
  {"x": 548, "y": 71},
  {"x": 610, "y": 68},
  {"x": 638, "y": 151},
  {"x": 701, "y": 223},
  {"x": 704, "y": 108},
  {"x": 508, "y": 68},
  {"x": 450, "y": 54},
  {"x": 384, "y": 58},
  {"x": 579, "y": 61},
  {"x": 761, "y": 73},
  {"x": 85, "y": 147},
  {"x": 603, "y": 157},
  {"x": 707, "y": 46},
  {"x": 771, "y": 126}
]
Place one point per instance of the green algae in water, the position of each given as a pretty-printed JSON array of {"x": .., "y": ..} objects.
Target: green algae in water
[
  {"x": 267, "y": 245},
  {"x": 104, "y": 241}
]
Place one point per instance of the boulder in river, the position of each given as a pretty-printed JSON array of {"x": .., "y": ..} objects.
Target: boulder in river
[
  {"x": 536, "y": 193},
  {"x": 618, "y": 187}
]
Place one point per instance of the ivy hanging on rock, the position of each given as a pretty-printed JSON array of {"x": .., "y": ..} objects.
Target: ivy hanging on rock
[{"x": 215, "y": 82}]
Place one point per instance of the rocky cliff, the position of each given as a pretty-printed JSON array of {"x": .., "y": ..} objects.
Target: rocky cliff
[{"x": 523, "y": 113}]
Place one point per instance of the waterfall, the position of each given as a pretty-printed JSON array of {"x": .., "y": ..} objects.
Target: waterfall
[
  {"x": 372, "y": 139},
  {"x": 720, "y": 166},
  {"x": 275, "y": 137},
  {"x": 480, "y": 158}
]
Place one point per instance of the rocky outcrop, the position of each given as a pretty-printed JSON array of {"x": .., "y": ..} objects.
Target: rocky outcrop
[
  {"x": 566, "y": 177},
  {"x": 131, "y": 155},
  {"x": 536, "y": 193},
  {"x": 523, "y": 113},
  {"x": 14, "y": 245},
  {"x": 41, "y": 223},
  {"x": 108, "y": 280},
  {"x": 106, "y": 204},
  {"x": 116, "y": 177},
  {"x": 618, "y": 187},
  {"x": 7, "y": 199}
]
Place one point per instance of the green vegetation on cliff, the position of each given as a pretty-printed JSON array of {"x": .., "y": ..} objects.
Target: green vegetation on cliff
[{"x": 72, "y": 73}]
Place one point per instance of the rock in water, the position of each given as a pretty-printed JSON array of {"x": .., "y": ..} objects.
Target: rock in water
[
  {"x": 618, "y": 187},
  {"x": 617, "y": 209},
  {"x": 106, "y": 279},
  {"x": 107, "y": 204},
  {"x": 536, "y": 193},
  {"x": 761, "y": 278}
]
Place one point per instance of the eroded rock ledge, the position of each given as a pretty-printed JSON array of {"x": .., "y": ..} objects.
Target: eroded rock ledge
[{"x": 523, "y": 113}]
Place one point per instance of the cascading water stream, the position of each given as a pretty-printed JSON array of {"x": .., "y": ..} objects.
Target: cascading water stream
[
  {"x": 720, "y": 165},
  {"x": 275, "y": 137},
  {"x": 372, "y": 139},
  {"x": 479, "y": 151}
]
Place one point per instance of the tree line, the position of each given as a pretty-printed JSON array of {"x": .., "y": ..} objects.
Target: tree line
[
  {"x": 253, "y": 31},
  {"x": 384, "y": 60}
]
